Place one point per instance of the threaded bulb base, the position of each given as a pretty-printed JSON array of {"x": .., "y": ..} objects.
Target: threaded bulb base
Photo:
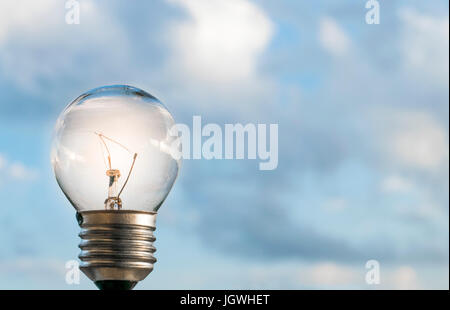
[{"x": 116, "y": 246}]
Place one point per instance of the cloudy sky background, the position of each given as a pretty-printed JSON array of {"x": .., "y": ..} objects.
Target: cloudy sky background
[{"x": 363, "y": 138}]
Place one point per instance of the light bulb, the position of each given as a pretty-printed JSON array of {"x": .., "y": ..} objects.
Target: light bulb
[{"x": 111, "y": 156}]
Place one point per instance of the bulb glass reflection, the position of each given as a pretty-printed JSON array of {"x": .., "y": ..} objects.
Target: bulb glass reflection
[{"x": 111, "y": 150}]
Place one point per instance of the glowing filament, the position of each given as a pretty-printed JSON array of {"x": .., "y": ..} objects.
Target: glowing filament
[{"x": 113, "y": 201}]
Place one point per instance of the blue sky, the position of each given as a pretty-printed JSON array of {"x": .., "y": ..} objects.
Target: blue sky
[{"x": 363, "y": 138}]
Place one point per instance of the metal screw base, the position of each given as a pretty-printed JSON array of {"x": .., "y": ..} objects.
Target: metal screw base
[{"x": 116, "y": 246}]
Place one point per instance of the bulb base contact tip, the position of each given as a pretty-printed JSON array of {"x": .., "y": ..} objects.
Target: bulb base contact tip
[
  {"x": 115, "y": 285},
  {"x": 116, "y": 246}
]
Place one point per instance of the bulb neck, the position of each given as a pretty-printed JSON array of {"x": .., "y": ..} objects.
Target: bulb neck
[{"x": 116, "y": 246}]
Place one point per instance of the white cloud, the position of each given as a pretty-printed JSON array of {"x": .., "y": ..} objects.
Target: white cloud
[
  {"x": 330, "y": 274},
  {"x": 2, "y": 161},
  {"x": 19, "y": 171},
  {"x": 221, "y": 41},
  {"x": 412, "y": 139},
  {"x": 422, "y": 210},
  {"x": 403, "y": 278},
  {"x": 332, "y": 37},
  {"x": 37, "y": 44},
  {"x": 299, "y": 275},
  {"x": 20, "y": 14},
  {"x": 430, "y": 211},
  {"x": 425, "y": 46},
  {"x": 395, "y": 184},
  {"x": 336, "y": 204},
  {"x": 419, "y": 141},
  {"x": 34, "y": 273},
  {"x": 25, "y": 20},
  {"x": 16, "y": 170},
  {"x": 33, "y": 265}
]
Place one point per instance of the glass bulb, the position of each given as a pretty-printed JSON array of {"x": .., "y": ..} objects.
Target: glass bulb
[{"x": 111, "y": 150}]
